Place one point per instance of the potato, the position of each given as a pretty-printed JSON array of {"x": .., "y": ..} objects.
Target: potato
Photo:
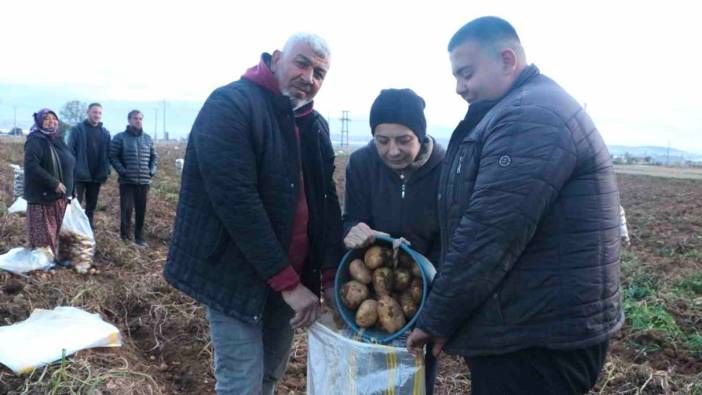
[
  {"x": 376, "y": 257},
  {"x": 360, "y": 272},
  {"x": 416, "y": 290},
  {"x": 353, "y": 294},
  {"x": 382, "y": 281},
  {"x": 367, "y": 314},
  {"x": 415, "y": 270},
  {"x": 390, "y": 314},
  {"x": 82, "y": 267},
  {"x": 405, "y": 260},
  {"x": 407, "y": 303},
  {"x": 401, "y": 279}
]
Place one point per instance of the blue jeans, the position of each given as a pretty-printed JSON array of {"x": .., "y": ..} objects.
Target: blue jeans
[{"x": 251, "y": 358}]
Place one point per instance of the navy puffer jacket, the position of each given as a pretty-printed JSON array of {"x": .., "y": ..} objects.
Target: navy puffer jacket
[
  {"x": 134, "y": 157},
  {"x": 528, "y": 210}
]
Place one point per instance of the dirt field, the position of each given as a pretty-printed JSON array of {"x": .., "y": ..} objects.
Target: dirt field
[
  {"x": 661, "y": 171},
  {"x": 166, "y": 348}
]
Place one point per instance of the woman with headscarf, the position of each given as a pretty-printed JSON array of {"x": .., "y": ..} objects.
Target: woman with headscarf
[
  {"x": 48, "y": 180},
  {"x": 391, "y": 183}
]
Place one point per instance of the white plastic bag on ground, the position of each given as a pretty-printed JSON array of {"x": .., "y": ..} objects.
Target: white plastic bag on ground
[
  {"x": 47, "y": 335},
  {"x": 19, "y": 206},
  {"x": 23, "y": 260},
  {"x": 623, "y": 228},
  {"x": 338, "y": 364},
  {"x": 76, "y": 239}
]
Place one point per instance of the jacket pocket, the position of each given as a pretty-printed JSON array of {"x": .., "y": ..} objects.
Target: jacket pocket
[
  {"x": 215, "y": 252},
  {"x": 464, "y": 171},
  {"x": 491, "y": 311}
]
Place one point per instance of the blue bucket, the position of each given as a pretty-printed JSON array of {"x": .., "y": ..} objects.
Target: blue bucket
[{"x": 373, "y": 335}]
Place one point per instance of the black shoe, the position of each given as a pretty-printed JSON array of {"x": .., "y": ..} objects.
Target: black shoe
[
  {"x": 63, "y": 264},
  {"x": 140, "y": 243}
]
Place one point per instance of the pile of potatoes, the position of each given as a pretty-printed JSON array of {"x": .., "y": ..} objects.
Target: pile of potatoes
[{"x": 383, "y": 293}]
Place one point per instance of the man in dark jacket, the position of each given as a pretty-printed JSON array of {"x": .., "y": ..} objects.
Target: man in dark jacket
[
  {"x": 90, "y": 143},
  {"x": 134, "y": 157},
  {"x": 528, "y": 286},
  {"x": 258, "y": 224}
]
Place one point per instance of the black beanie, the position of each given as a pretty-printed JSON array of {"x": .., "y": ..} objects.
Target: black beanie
[{"x": 401, "y": 106}]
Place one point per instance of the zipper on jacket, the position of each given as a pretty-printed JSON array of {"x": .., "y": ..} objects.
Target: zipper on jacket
[
  {"x": 460, "y": 163},
  {"x": 402, "y": 194},
  {"x": 138, "y": 160},
  {"x": 402, "y": 202}
]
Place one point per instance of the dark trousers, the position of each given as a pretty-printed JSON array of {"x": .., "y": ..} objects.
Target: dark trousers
[
  {"x": 87, "y": 192},
  {"x": 431, "y": 366},
  {"x": 538, "y": 371},
  {"x": 132, "y": 197}
]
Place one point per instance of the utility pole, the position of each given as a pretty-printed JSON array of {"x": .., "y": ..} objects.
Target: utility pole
[
  {"x": 164, "y": 117},
  {"x": 15, "y": 108},
  {"x": 155, "y": 121},
  {"x": 344, "y": 128}
]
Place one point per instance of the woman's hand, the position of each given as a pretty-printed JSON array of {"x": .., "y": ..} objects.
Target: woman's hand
[
  {"x": 361, "y": 235},
  {"x": 60, "y": 188}
]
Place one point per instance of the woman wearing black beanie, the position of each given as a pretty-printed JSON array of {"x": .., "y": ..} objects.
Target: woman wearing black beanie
[{"x": 391, "y": 183}]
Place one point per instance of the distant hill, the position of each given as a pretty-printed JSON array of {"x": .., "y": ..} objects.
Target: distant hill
[
  {"x": 662, "y": 155},
  {"x": 648, "y": 150}
]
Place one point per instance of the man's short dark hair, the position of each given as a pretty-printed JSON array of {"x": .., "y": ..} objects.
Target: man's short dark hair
[
  {"x": 91, "y": 105},
  {"x": 132, "y": 113},
  {"x": 485, "y": 30}
]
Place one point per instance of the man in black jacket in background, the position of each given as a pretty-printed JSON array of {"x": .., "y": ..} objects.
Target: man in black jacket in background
[
  {"x": 90, "y": 143},
  {"x": 528, "y": 286},
  {"x": 134, "y": 157}
]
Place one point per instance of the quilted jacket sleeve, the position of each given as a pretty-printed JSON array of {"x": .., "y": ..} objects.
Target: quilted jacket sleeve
[{"x": 116, "y": 155}]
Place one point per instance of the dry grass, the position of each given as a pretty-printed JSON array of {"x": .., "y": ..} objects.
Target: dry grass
[{"x": 164, "y": 333}]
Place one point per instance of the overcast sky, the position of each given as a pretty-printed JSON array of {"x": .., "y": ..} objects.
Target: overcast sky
[{"x": 635, "y": 63}]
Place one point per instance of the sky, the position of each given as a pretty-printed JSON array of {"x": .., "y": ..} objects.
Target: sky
[{"x": 635, "y": 64}]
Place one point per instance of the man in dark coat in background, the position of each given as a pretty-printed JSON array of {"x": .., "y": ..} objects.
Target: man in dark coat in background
[
  {"x": 133, "y": 155},
  {"x": 90, "y": 143}
]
